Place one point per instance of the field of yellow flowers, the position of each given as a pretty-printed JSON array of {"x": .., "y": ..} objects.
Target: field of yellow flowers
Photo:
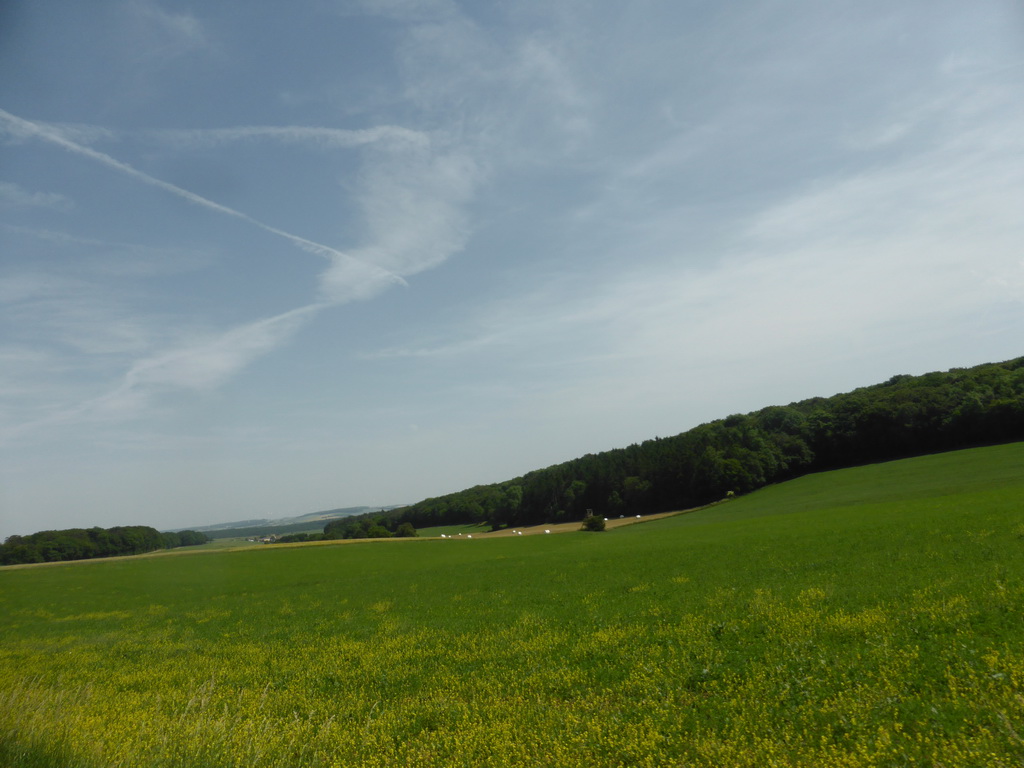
[{"x": 870, "y": 617}]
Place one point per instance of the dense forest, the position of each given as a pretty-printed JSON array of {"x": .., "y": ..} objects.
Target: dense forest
[
  {"x": 85, "y": 544},
  {"x": 372, "y": 525},
  {"x": 380, "y": 525},
  {"x": 905, "y": 416}
]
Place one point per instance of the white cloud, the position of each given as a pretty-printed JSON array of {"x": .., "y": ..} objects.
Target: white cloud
[
  {"x": 63, "y": 312},
  {"x": 414, "y": 213},
  {"x": 350, "y": 279},
  {"x": 328, "y": 138},
  {"x": 12, "y": 194},
  {"x": 765, "y": 194},
  {"x": 81, "y": 133},
  {"x": 963, "y": 188},
  {"x": 202, "y": 363},
  {"x": 208, "y": 362},
  {"x": 412, "y": 197},
  {"x": 889, "y": 256},
  {"x": 481, "y": 340},
  {"x": 107, "y": 257},
  {"x": 403, "y": 10},
  {"x": 29, "y": 375},
  {"x": 414, "y": 207},
  {"x": 541, "y": 70},
  {"x": 167, "y": 33},
  {"x": 25, "y": 128}
]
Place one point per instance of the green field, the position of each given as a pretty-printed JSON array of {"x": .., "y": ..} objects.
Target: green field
[
  {"x": 866, "y": 617},
  {"x": 454, "y": 530}
]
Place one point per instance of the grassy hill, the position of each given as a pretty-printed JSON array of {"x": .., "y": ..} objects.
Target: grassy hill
[
  {"x": 903, "y": 417},
  {"x": 863, "y": 617}
]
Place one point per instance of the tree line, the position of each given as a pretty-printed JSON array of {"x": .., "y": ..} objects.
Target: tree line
[
  {"x": 371, "y": 525},
  {"x": 902, "y": 417},
  {"x": 88, "y": 543}
]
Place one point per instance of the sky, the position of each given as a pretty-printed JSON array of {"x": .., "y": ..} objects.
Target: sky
[{"x": 260, "y": 259}]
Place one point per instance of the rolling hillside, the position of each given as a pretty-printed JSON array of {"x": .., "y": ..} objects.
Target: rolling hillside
[
  {"x": 902, "y": 417},
  {"x": 862, "y": 617}
]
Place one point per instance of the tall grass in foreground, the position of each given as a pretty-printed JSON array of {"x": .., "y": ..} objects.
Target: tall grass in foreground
[{"x": 869, "y": 617}]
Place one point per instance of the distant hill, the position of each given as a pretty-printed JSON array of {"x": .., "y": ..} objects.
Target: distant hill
[
  {"x": 902, "y": 417},
  {"x": 313, "y": 521}
]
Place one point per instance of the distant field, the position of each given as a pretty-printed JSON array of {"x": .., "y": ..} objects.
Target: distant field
[
  {"x": 452, "y": 530},
  {"x": 232, "y": 543},
  {"x": 867, "y": 617}
]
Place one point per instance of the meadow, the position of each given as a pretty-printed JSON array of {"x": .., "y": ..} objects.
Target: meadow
[{"x": 866, "y": 617}]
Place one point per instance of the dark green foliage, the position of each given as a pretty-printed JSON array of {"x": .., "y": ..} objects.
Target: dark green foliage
[
  {"x": 905, "y": 416},
  {"x": 377, "y": 525},
  {"x": 174, "y": 539},
  {"x": 85, "y": 544},
  {"x": 405, "y": 531},
  {"x": 592, "y": 523}
]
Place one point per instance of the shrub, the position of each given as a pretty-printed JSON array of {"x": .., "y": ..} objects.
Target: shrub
[
  {"x": 592, "y": 523},
  {"x": 405, "y": 530}
]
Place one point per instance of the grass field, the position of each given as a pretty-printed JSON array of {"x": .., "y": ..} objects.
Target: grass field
[
  {"x": 868, "y": 617},
  {"x": 454, "y": 530}
]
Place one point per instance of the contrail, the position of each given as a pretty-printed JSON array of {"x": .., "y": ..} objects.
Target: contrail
[
  {"x": 337, "y": 137},
  {"x": 24, "y": 127}
]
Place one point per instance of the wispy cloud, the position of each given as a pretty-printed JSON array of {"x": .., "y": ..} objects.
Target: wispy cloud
[
  {"x": 26, "y": 128},
  {"x": 63, "y": 336},
  {"x": 209, "y": 362},
  {"x": 61, "y": 312},
  {"x": 413, "y": 200},
  {"x": 541, "y": 68},
  {"x": 120, "y": 258},
  {"x": 12, "y": 194},
  {"x": 199, "y": 364},
  {"x": 328, "y": 138},
  {"x": 414, "y": 209},
  {"x": 168, "y": 33},
  {"x": 482, "y": 340},
  {"x": 404, "y": 10},
  {"x": 637, "y": 215},
  {"x": 82, "y": 133},
  {"x": 413, "y": 193},
  {"x": 29, "y": 376},
  {"x": 826, "y": 271}
]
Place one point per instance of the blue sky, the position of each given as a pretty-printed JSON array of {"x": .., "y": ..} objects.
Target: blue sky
[{"x": 261, "y": 259}]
